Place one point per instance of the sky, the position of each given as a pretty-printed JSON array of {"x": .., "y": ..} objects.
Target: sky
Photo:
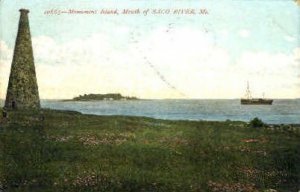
[{"x": 159, "y": 56}]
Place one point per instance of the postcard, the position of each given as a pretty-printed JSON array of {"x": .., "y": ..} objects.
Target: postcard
[{"x": 150, "y": 95}]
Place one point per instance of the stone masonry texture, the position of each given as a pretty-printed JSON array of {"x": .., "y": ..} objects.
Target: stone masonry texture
[{"x": 22, "y": 90}]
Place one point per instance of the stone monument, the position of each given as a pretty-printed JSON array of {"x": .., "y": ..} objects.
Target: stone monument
[{"x": 22, "y": 90}]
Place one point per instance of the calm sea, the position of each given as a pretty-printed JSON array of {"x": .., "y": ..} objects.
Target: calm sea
[{"x": 281, "y": 112}]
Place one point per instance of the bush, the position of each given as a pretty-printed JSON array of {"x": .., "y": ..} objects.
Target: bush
[{"x": 256, "y": 122}]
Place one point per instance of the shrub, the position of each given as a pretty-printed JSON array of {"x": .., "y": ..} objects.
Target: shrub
[{"x": 256, "y": 122}]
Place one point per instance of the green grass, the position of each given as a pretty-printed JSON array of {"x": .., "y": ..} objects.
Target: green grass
[{"x": 69, "y": 151}]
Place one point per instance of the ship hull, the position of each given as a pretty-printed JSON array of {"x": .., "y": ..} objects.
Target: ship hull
[{"x": 258, "y": 101}]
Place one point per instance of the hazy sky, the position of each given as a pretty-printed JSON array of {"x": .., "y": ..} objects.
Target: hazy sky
[{"x": 159, "y": 56}]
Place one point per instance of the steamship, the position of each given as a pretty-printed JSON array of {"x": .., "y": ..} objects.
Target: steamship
[{"x": 248, "y": 100}]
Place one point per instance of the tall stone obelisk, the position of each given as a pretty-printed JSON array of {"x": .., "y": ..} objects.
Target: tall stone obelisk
[{"x": 22, "y": 90}]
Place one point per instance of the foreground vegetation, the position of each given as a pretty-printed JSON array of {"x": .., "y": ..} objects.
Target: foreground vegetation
[{"x": 68, "y": 151}]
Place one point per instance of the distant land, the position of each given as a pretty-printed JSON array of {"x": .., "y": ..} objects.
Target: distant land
[{"x": 100, "y": 97}]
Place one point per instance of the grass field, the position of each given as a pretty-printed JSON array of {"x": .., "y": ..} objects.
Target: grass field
[{"x": 68, "y": 151}]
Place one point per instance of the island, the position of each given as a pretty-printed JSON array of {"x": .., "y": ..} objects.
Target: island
[{"x": 100, "y": 97}]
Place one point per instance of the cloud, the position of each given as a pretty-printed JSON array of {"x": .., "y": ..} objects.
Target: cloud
[
  {"x": 90, "y": 65},
  {"x": 94, "y": 64},
  {"x": 297, "y": 56},
  {"x": 289, "y": 38},
  {"x": 275, "y": 74},
  {"x": 5, "y": 60},
  {"x": 244, "y": 33},
  {"x": 187, "y": 58},
  {"x": 180, "y": 63},
  {"x": 6, "y": 52}
]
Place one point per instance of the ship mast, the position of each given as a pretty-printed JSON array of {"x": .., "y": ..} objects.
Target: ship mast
[{"x": 248, "y": 92}]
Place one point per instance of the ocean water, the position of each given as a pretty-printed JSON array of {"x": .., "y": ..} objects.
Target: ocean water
[{"x": 281, "y": 112}]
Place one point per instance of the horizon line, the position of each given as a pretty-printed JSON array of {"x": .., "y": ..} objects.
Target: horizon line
[{"x": 168, "y": 98}]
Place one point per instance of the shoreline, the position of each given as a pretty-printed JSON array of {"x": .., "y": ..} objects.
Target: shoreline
[{"x": 267, "y": 125}]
